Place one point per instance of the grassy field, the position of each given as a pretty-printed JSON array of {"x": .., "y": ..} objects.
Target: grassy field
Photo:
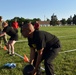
[{"x": 64, "y": 64}]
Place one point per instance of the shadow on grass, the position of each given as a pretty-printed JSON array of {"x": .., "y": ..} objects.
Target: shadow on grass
[{"x": 3, "y": 67}]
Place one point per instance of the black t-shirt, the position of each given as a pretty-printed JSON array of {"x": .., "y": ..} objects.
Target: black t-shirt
[
  {"x": 42, "y": 39},
  {"x": 11, "y": 32}
]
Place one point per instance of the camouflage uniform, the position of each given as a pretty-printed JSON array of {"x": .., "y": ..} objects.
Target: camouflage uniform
[{"x": 3, "y": 37}]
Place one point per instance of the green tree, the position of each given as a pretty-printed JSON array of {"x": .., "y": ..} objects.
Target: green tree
[
  {"x": 74, "y": 19},
  {"x": 35, "y": 19},
  {"x": 53, "y": 20},
  {"x": 63, "y": 21},
  {"x": 70, "y": 20}
]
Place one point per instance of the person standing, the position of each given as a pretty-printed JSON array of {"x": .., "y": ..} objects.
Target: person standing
[
  {"x": 36, "y": 25},
  {"x": 43, "y": 46},
  {"x": 13, "y": 37},
  {"x": 22, "y": 23},
  {"x": 3, "y": 37},
  {"x": 15, "y": 25}
]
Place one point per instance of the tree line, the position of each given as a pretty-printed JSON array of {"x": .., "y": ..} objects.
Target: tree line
[
  {"x": 70, "y": 21},
  {"x": 21, "y": 19},
  {"x": 53, "y": 21}
]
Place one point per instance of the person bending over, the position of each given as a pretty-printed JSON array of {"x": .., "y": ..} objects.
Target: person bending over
[{"x": 43, "y": 46}]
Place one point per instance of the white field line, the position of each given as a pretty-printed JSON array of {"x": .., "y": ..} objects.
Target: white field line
[
  {"x": 42, "y": 67},
  {"x": 22, "y": 41},
  {"x": 59, "y": 52},
  {"x": 19, "y": 55},
  {"x": 58, "y": 36},
  {"x": 23, "y": 58},
  {"x": 68, "y": 51},
  {"x": 67, "y": 36}
]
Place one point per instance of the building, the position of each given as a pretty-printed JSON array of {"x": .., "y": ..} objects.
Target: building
[{"x": 44, "y": 23}]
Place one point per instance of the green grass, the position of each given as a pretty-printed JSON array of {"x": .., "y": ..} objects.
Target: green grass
[{"x": 64, "y": 64}]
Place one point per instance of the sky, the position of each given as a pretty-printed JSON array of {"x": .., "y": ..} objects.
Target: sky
[{"x": 42, "y": 9}]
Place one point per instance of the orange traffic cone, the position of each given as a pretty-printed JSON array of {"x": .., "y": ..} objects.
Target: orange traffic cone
[
  {"x": 5, "y": 48},
  {"x": 26, "y": 58}
]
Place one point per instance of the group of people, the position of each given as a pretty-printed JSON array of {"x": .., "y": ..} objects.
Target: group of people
[
  {"x": 43, "y": 46},
  {"x": 12, "y": 31}
]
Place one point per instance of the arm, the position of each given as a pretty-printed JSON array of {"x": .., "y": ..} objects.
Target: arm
[
  {"x": 39, "y": 57},
  {"x": 32, "y": 55},
  {"x": 2, "y": 34},
  {"x": 40, "y": 52}
]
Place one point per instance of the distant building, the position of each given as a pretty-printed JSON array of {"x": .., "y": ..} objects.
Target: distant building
[{"x": 44, "y": 23}]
